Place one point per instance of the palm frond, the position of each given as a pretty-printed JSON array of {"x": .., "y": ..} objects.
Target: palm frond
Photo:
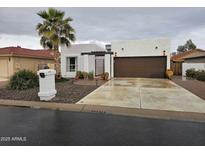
[
  {"x": 43, "y": 14},
  {"x": 64, "y": 40},
  {"x": 55, "y": 29}
]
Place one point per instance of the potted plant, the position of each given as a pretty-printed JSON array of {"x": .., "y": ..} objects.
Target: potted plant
[{"x": 169, "y": 73}]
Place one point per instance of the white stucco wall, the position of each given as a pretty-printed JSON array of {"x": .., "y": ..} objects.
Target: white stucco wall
[
  {"x": 80, "y": 66},
  {"x": 197, "y": 66},
  {"x": 85, "y": 62},
  {"x": 149, "y": 47},
  {"x": 91, "y": 63}
]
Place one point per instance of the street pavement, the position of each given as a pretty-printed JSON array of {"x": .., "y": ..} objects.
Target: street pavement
[{"x": 26, "y": 126}]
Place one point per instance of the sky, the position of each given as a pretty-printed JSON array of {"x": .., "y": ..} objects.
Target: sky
[{"x": 104, "y": 25}]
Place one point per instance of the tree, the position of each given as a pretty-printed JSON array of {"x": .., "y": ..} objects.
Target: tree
[
  {"x": 189, "y": 45},
  {"x": 181, "y": 48},
  {"x": 55, "y": 30}
]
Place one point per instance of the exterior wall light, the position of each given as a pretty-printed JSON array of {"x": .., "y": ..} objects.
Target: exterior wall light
[{"x": 164, "y": 53}]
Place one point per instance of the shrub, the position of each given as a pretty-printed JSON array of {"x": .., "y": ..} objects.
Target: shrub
[
  {"x": 79, "y": 75},
  {"x": 201, "y": 75},
  {"x": 90, "y": 76},
  {"x": 85, "y": 75},
  {"x": 23, "y": 80},
  {"x": 192, "y": 73}
]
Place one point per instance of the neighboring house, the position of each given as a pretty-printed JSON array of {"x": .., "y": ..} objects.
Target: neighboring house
[
  {"x": 178, "y": 60},
  {"x": 13, "y": 59},
  {"x": 134, "y": 58},
  {"x": 196, "y": 61}
]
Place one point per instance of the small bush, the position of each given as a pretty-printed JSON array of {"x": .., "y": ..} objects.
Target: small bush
[
  {"x": 23, "y": 80},
  {"x": 201, "y": 75},
  {"x": 192, "y": 73},
  {"x": 85, "y": 75},
  {"x": 79, "y": 75},
  {"x": 62, "y": 80},
  {"x": 90, "y": 76}
]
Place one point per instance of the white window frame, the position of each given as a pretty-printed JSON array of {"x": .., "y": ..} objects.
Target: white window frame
[{"x": 68, "y": 65}]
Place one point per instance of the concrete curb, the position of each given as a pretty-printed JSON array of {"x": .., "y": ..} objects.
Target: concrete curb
[{"x": 146, "y": 113}]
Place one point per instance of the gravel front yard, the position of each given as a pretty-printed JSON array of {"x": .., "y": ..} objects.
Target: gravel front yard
[
  {"x": 66, "y": 93},
  {"x": 194, "y": 86}
]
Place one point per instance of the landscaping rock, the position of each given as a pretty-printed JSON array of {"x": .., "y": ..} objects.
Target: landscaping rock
[{"x": 66, "y": 93}]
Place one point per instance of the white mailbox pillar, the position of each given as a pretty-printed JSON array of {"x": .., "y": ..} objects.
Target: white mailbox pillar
[{"x": 47, "y": 84}]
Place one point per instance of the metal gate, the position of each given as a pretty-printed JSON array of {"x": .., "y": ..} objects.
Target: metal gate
[{"x": 99, "y": 65}]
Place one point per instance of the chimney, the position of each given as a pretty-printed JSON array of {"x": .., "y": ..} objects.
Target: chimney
[
  {"x": 108, "y": 47},
  {"x": 18, "y": 46}
]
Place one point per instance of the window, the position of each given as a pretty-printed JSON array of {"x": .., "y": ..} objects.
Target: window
[
  {"x": 42, "y": 66},
  {"x": 71, "y": 64}
]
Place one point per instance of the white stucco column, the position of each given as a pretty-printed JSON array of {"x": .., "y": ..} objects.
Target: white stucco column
[
  {"x": 85, "y": 59},
  {"x": 108, "y": 64}
]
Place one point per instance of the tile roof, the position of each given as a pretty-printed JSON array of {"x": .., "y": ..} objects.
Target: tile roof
[
  {"x": 181, "y": 56},
  {"x": 23, "y": 52},
  {"x": 195, "y": 55}
]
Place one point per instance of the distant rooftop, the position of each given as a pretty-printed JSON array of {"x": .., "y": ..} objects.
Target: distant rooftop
[
  {"x": 23, "y": 52},
  {"x": 195, "y": 55},
  {"x": 181, "y": 56}
]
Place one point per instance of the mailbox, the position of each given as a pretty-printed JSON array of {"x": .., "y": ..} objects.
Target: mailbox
[{"x": 47, "y": 89}]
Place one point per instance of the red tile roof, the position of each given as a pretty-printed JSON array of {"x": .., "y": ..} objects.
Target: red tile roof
[
  {"x": 23, "y": 52},
  {"x": 195, "y": 55},
  {"x": 181, "y": 56}
]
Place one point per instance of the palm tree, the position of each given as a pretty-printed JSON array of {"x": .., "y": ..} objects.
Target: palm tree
[{"x": 55, "y": 30}]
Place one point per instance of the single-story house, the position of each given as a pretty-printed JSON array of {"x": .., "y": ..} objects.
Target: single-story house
[
  {"x": 196, "y": 61},
  {"x": 129, "y": 58},
  {"x": 178, "y": 60},
  {"x": 13, "y": 59}
]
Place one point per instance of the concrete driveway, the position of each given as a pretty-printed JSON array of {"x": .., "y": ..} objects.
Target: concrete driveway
[{"x": 157, "y": 94}]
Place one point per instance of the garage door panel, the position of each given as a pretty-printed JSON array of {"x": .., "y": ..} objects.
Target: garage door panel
[{"x": 153, "y": 67}]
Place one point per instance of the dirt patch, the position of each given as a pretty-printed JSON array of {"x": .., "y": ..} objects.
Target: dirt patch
[
  {"x": 66, "y": 93},
  {"x": 3, "y": 84},
  {"x": 89, "y": 82}
]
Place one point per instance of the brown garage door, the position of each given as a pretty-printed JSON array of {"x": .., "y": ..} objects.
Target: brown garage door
[{"x": 148, "y": 67}]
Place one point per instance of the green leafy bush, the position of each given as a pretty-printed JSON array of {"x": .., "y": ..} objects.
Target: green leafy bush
[
  {"x": 79, "y": 75},
  {"x": 23, "y": 80},
  {"x": 201, "y": 75},
  {"x": 85, "y": 75},
  {"x": 192, "y": 73},
  {"x": 90, "y": 76}
]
